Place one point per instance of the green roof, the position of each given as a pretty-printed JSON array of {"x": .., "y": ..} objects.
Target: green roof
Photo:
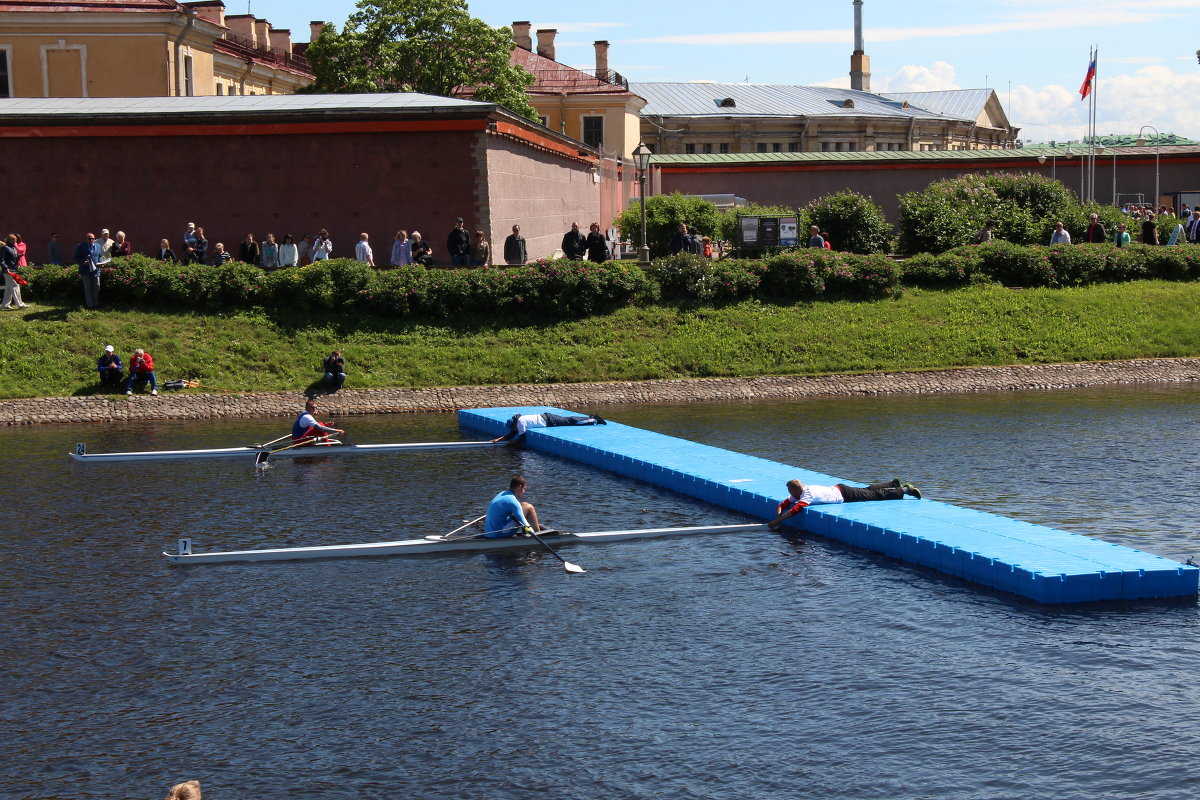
[{"x": 889, "y": 156}]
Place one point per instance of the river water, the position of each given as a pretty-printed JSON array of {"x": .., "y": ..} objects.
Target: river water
[{"x": 747, "y": 665}]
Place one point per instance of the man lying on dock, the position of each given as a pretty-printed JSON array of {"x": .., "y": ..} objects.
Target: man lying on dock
[
  {"x": 308, "y": 430},
  {"x": 802, "y": 495},
  {"x": 508, "y": 514},
  {"x": 523, "y": 422}
]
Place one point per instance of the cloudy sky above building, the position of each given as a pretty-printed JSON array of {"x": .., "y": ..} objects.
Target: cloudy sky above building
[{"x": 1034, "y": 53}]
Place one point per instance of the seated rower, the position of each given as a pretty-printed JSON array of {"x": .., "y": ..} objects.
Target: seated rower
[
  {"x": 508, "y": 515},
  {"x": 523, "y": 422},
  {"x": 308, "y": 430},
  {"x": 802, "y": 495}
]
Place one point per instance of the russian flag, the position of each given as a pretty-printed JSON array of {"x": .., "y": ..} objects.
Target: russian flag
[{"x": 1086, "y": 89}]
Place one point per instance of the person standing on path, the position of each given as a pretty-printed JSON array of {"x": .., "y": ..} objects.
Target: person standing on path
[
  {"x": 87, "y": 257},
  {"x": 515, "y": 251},
  {"x": 458, "y": 244},
  {"x": 574, "y": 243}
]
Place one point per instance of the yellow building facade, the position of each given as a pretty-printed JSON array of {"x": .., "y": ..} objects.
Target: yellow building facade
[{"x": 142, "y": 48}]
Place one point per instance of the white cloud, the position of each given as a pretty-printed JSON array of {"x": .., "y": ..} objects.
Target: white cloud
[
  {"x": 1153, "y": 95},
  {"x": 911, "y": 78}
]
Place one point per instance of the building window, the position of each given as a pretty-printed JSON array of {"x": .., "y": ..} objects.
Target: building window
[
  {"x": 777, "y": 147},
  {"x": 593, "y": 131},
  {"x": 689, "y": 148},
  {"x": 708, "y": 147},
  {"x": 220, "y": 88},
  {"x": 724, "y": 147},
  {"x": 793, "y": 147},
  {"x": 187, "y": 76},
  {"x": 826, "y": 147},
  {"x": 545, "y": 121},
  {"x": 5, "y": 74},
  {"x": 761, "y": 147}
]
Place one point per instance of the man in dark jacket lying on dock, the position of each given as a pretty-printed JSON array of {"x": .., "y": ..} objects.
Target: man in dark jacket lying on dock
[
  {"x": 523, "y": 422},
  {"x": 802, "y": 495}
]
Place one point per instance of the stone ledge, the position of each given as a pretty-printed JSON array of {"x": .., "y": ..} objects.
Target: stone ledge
[{"x": 582, "y": 396}]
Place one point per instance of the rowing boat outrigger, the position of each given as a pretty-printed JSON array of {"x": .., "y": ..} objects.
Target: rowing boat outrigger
[
  {"x": 437, "y": 544},
  {"x": 333, "y": 448}
]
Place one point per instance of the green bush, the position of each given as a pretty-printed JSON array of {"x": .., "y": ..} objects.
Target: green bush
[
  {"x": 794, "y": 275},
  {"x": 860, "y": 277},
  {"x": 854, "y": 222},
  {"x": 691, "y": 280},
  {"x": 950, "y": 212},
  {"x": 664, "y": 212}
]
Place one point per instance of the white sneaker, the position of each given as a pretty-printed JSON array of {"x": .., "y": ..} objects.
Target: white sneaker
[
  {"x": 154, "y": 392},
  {"x": 128, "y": 392}
]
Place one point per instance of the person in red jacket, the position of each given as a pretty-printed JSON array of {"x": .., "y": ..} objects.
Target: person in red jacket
[{"x": 141, "y": 368}]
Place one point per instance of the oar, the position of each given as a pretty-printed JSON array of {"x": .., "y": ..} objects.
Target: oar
[
  {"x": 574, "y": 569},
  {"x": 446, "y": 536},
  {"x": 273, "y": 441}
]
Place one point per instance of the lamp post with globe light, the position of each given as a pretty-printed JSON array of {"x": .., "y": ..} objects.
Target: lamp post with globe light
[{"x": 641, "y": 160}]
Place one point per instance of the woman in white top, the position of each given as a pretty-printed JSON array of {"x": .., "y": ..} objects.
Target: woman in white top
[
  {"x": 322, "y": 247},
  {"x": 289, "y": 254},
  {"x": 401, "y": 250}
]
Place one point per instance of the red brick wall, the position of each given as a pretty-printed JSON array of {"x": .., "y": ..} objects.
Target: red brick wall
[
  {"x": 542, "y": 192},
  {"x": 151, "y": 187},
  {"x": 796, "y": 188}
]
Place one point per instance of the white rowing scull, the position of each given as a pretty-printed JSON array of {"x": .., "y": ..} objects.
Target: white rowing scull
[
  {"x": 436, "y": 544},
  {"x": 338, "y": 449}
]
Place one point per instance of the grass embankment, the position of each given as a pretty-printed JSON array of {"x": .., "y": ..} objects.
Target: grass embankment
[{"x": 50, "y": 351}]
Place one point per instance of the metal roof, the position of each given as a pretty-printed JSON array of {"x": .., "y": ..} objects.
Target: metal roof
[
  {"x": 110, "y": 107},
  {"x": 964, "y": 104},
  {"x": 899, "y": 156},
  {"x": 771, "y": 100}
]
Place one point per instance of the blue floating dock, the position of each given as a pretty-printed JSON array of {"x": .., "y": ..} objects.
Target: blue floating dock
[{"x": 1034, "y": 561}]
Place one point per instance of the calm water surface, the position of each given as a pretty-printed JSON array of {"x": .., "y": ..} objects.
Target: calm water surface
[{"x": 736, "y": 666}]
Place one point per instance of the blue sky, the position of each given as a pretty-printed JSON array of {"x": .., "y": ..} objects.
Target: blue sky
[{"x": 1032, "y": 52}]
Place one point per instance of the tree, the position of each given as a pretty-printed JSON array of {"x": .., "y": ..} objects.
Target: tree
[
  {"x": 664, "y": 212},
  {"x": 430, "y": 46},
  {"x": 854, "y": 222}
]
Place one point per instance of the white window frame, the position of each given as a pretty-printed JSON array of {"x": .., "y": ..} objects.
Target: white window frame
[{"x": 62, "y": 45}]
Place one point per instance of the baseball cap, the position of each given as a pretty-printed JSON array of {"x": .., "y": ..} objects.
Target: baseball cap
[
  {"x": 104, "y": 231},
  {"x": 108, "y": 348}
]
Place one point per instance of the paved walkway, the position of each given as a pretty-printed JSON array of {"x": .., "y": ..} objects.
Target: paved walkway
[{"x": 585, "y": 396}]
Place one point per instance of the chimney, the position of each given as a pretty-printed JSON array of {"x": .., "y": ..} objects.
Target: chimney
[
  {"x": 521, "y": 35},
  {"x": 314, "y": 30},
  {"x": 860, "y": 62},
  {"x": 546, "y": 42},
  {"x": 601, "y": 60},
  {"x": 242, "y": 25},
  {"x": 281, "y": 40},
  {"x": 213, "y": 12},
  {"x": 262, "y": 31}
]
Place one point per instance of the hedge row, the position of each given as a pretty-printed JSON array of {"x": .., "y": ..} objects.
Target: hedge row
[
  {"x": 572, "y": 289},
  {"x": 1053, "y": 266}
]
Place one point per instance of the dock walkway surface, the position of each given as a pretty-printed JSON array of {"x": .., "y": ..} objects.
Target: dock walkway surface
[{"x": 1041, "y": 563}]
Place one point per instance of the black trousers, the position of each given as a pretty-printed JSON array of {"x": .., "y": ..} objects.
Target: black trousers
[
  {"x": 555, "y": 420},
  {"x": 876, "y": 491}
]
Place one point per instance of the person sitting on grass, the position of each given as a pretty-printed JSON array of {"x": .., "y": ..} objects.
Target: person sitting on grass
[
  {"x": 141, "y": 370},
  {"x": 802, "y": 495},
  {"x": 523, "y": 422},
  {"x": 110, "y": 367},
  {"x": 335, "y": 371}
]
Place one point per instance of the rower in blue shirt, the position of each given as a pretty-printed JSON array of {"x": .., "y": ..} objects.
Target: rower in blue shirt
[{"x": 508, "y": 515}]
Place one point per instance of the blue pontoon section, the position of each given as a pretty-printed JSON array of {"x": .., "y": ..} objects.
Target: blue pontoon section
[{"x": 1041, "y": 563}]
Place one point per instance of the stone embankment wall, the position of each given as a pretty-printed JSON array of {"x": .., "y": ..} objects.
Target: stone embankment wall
[{"x": 587, "y": 396}]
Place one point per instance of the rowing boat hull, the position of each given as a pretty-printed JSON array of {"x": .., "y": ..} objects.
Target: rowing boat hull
[
  {"x": 251, "y": 452},
  {"x": 436, "y": 545}
]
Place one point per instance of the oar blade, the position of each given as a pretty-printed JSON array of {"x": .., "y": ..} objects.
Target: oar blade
[{"x": 574, "y": 569}]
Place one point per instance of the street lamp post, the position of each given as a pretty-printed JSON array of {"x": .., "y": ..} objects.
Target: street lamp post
[
  {"x": 1141, "y": 142},
  {"x": 1053, "y": 164},
  {"x": 641, "y": 160}
]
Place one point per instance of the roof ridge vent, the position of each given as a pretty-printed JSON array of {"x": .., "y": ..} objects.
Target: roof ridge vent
[
  {"x": 848, "y": 103},
  {"x": 727, "y": 102}
]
